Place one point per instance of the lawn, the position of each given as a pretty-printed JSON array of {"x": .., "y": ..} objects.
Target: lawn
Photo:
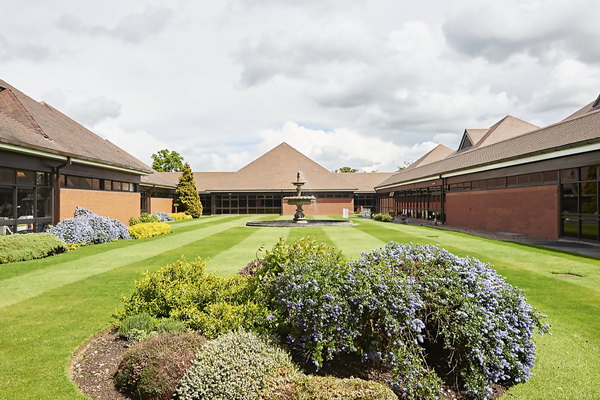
[{"x": 49, "y": 307}]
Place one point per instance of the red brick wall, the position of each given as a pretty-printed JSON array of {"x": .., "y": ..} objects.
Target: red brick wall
[
  {"x": 325, "y": 206},
  {"x": 118, "y": 205},
  {"x": 159, "y": 204},
  {"x": 531, "y": 211}
]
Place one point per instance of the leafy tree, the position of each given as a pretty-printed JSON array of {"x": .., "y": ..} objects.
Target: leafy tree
[
  {"x": 167, "y": 161},
  {"x": 346, "y": 170},
  {"x": 187, "y": 198}
]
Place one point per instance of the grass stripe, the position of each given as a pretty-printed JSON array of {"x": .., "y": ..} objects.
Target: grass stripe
[
  {"x": 34, "y": 283},
  {"x": 361, "y": 241}
]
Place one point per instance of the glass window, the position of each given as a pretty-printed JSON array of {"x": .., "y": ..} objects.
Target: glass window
[
  {"x": 551, "y": 176},
  {"x": 569, "y": 175},
  {"x": 116, "y": 185},
  {"x": 26, "y": 177},
  {"x": 42, "y": 178},
  {"x": 589, "y": 229},
  {"x": 511, "y": 181},
  {"x": 500, "y": 182},
  {"x": 589, "y": 198},
  {"x": 589, "y": 173},
  {"x": 7, "y": 175},
  {"x": 536, "y": 178},
  {"x": 570, "y": 227},
  {"x": 6, "y": 203},
  {"x": 569, "y": 198},
  {"x": 44, "y": 202},
  {"x": 25, "y": 203}
]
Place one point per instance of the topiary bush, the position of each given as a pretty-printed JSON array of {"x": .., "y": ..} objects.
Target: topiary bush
[
  {"x": 205, "y": 302},
  {"x": 24, "y": 247},
  {"x": 232, "y": 367},
  {"x": 286, "y": 384},
  {"x": 180, "y": 216},
  {"x": 88, "y": 228},
  {"x": 420, "y": 311},
  {"x": 153, "y": 368},
  {"x": 149, "y": 229},
  {"x": 383, "y": 217},
  {"x": 143, "y": 219},
  {"x": 164, "y": 217}
]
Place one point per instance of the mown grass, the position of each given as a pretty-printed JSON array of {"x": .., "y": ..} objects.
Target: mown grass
[{"x": 49, "y": 307}]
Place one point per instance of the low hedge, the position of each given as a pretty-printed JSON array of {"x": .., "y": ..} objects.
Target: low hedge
[
  {"x": 144, "y": 218},
  {"x": 23, "y": 247},
  {"x": 383, "y": 217},
  {"x": 149, "y": 229},
  {"x": 180, "y": 216}
]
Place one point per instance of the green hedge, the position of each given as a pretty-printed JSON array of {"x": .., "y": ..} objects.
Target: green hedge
[
  {"x": 149, "y": 229},
  {"x": 180, "y": 216},
  {"x": 29, "y": 247},
  {"x": 383, "y": 217}
]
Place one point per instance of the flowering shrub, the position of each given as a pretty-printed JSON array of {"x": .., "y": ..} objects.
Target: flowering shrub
[
  {"x": 232, "y": 367},
  {"x": 152, "y": 369},
  {"x": 383, "y": 217},
  {"x": 164, "y": 217},
  {"x": 143, "y": 219},
  {"x": 23, "y": 247},
  {"x": 89, "y": 228},
  {"x": 205, "y": 302},
  {"x": 418, "y": 310},
  {"x": 180, "y": 216},
  {"x": 149, "y": 229}
]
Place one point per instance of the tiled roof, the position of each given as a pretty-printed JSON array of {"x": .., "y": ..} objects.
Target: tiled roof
[
  {"x": 31, "y": 124},
  {"x": 159, "y": 179},
  {"x": 507, "y": 128},
  {"x": 439, "y": 152},
  {"x": 567, "y": 133},
  {"x": 365, "y": 182}
]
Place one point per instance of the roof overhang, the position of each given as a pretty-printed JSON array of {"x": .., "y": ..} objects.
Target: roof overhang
[
  {"x": 503, "y": 164},
  {"x": 74, "y": 160}
]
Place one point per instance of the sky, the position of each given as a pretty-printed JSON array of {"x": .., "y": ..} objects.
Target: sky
[{"x": 370, "y": 84}]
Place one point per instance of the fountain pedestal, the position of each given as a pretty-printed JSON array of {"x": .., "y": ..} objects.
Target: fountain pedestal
[{"x": 298, "y": 200}]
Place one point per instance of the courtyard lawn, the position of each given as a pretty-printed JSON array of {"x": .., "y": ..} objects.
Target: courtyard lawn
[{"x": 51, "y": 306}]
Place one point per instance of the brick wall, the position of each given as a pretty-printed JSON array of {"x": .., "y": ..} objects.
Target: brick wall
[
  {"x": 159, "y": 204},
  {"x": 325, "y": 206},
  {"x": 118, "y": 205},
  {"x": 531, "y": 211}
]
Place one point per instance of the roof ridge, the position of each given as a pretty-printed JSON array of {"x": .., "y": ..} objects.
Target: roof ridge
[{"x": 37, "y": 128}]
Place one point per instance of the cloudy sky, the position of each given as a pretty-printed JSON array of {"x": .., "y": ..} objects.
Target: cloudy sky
[{"x": 369, "y": 84}]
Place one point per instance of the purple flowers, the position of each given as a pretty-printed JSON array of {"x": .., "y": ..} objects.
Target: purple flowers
[{"x": 89, "y": 228}]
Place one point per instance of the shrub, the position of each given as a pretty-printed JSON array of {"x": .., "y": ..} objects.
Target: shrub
[
  {"x": 232, "y": 367},
  {"x": 383, "y": 217},
  {"x": 164, "y": 217},
  {"x": 205, "y": 302},
  {"x": 180, "y": 216},
  {"x": 152, "y": 369},
  {"x": 137, "y": 327},
  {"x": 149, "y": 229},
  {"x": 89, "y": 228},
  {"x": 144, "y": 218},
  {"x": 418, "y": 310},
  {"x": 186, "y": 193},
  {"x": 23, "y": 247},
  {"x": 287, "y": 384}
]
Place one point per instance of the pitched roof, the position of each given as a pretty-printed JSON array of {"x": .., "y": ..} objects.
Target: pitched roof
[
  {"x": 439, "y": 152},
  {"x": 37, "y": 125},
  {"x": 507, "y": 128},
  {"x": 565, "y": 134},
  {"x": 471, "y": 137},
  {"x": 365, "y": 182}
]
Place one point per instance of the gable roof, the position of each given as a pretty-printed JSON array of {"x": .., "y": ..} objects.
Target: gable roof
[
  {"x": 471, "y": 137},
  {"x": 38, "y": 126},
  {"x": 439, "y": 152},
  {"x": 567, "y": 134},
  {"x": 507, "y": 128}
]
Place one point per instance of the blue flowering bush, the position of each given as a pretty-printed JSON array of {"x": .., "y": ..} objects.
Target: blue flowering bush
[
  {"x": 428, "y": 316},
  {"x": 164, "y": 217},
  {"x": 89, "y": 228}
]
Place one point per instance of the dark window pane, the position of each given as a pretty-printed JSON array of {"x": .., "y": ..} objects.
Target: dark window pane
[
  {"x": 72, "y": 181},
  {"x": 523, "y": 179},
  {"x": 569, "y": 198},
  {"x": 25, "y": 177},
  {"x": 571, "y": 227},
  {"x": 569, "y": 175},
  {"x": 44, "y": 202},
  {"x": 551, "y": 176},
  {"x": 500, "y": 182},
  {"x": 25, "y": 203},
  {"x": 511, "y": 180},
  {"x": 42, "y": 178},
  {"x": 589, "y": 198},
  {"x": 116, "y": 185},
  {"x": 6, "y": 203},
  {"x": 536, "y": 178},
  {"x": 96, "y": 184},
  {"x": 589, "y": 229},
  {"x": 7, "y": 175},
  {"x": 589, "y": 173}
]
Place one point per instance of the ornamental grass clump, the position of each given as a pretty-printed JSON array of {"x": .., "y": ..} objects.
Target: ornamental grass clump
[
  {"x": 232, "y": 367},
  {"x": 88, "y": 228}
]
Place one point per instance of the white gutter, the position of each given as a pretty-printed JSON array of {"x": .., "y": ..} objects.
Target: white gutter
[
  {"x": 74, "y": 160},
  {"x": 504, "y": 164}
]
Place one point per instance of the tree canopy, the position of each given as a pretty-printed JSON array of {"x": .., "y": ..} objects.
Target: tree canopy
[
  {"x": 167, "y": 161},
  {"x": 187, "y": 199},
  {"x": 346, "y": 170}
]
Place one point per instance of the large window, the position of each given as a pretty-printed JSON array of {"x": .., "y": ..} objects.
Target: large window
[
  {"x": 579, "y": 202},
  {"x": 25, "y": 200},
  {"x": 247, "y": 204}
]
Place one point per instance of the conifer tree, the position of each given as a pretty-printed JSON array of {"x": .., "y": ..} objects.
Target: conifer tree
[{"x": 187, "y": 199}]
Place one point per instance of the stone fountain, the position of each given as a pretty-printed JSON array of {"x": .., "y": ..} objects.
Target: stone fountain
[
  {"x": 298, "y": 200},
  {"x": 299, "y": 219}
]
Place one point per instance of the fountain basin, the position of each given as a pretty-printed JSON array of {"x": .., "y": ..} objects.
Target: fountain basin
[{"x": 283, "y": 223}]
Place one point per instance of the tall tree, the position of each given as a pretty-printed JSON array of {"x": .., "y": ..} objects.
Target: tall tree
[
  {"x": 187, "y": 199},
  {"x": 346, "y": 170},
  {"x": 167, "y": 161}
]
